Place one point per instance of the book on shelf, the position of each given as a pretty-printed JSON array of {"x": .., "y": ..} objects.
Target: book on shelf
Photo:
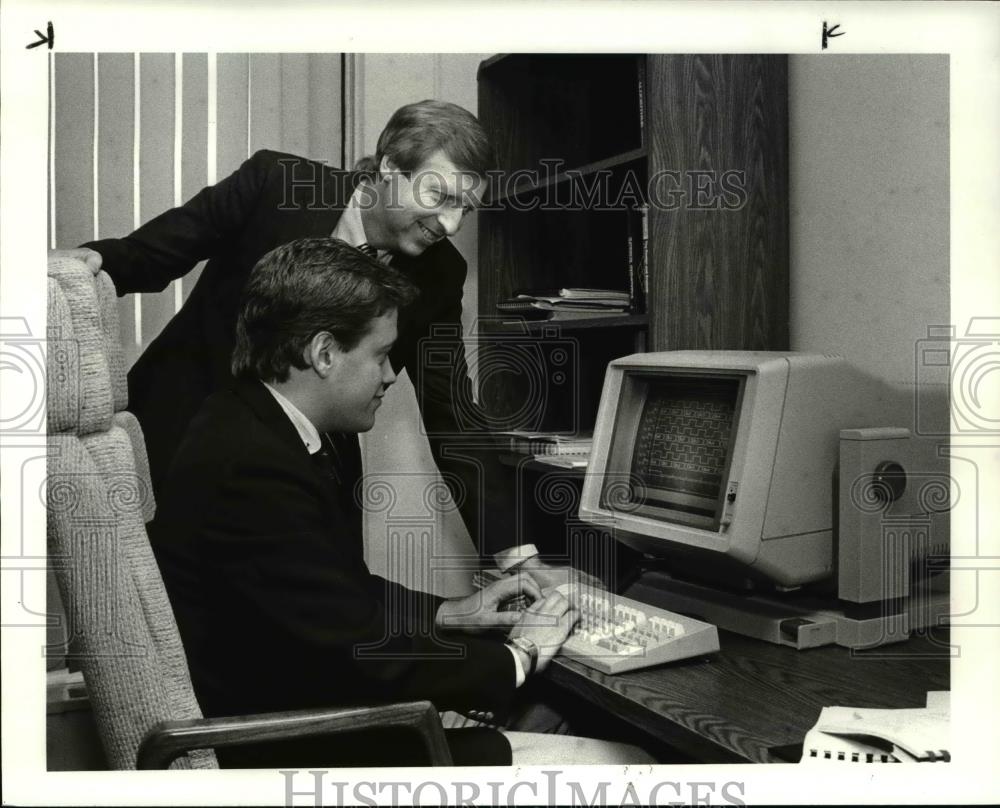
[
  {"x": 644, "y": 254},
  {"x": 558, "y": 315},
  {"x": 578, "y": 294},
  {"x": 522, "y": 308},
  {"x": 566, "y": 304},
  {"x": 630, "y": 259},
  {"x": 637, "y": 249},
  {"x": 557, "y": 303},
  {"x": 573, "y": 305},
  {"x": 641, "y": 85}
]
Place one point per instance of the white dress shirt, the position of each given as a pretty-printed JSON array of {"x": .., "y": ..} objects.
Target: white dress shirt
[
  {"x": 351, "y": 228},
  {"x": 307, "y": 431}
]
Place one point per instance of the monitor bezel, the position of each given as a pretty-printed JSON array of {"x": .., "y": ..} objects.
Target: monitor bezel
[{"x": 635, "y": 388}]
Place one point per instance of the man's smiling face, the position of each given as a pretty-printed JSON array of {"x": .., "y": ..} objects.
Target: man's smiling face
[{"x": 427, "y": 206}]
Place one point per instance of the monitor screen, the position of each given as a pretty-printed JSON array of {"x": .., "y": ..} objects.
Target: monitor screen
[
  {"x": 673, "y": 443},
  {"x": 683, "y": 444}
]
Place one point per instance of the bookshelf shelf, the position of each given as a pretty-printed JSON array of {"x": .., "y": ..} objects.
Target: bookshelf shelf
[
  {"x": 527, "y": 462},
  {"x": 516, "y": 326},
  {"x": 635, "y": 158}
]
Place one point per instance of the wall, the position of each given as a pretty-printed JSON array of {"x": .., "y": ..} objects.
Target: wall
[
  {"x": 396, "y": 451},
  {"x": 869, "y": 154}
]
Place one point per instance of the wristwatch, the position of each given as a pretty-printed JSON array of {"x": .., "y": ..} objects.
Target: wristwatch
[{"x": 530, "y": 649}]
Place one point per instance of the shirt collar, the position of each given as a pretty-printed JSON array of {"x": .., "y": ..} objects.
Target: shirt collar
[
  {"x": 308, "y": 432},
  {"x": 351, "y": 228}
]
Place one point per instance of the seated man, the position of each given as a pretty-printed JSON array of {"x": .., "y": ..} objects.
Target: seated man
[{"x": 260, "y": 545}]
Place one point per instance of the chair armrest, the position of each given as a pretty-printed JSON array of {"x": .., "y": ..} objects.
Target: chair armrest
[{"x": 171, "y": 739}]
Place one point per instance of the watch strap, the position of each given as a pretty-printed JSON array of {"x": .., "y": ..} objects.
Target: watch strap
[{"x": 530, "y": 649}]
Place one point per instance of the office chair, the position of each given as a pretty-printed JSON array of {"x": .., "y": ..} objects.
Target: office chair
[{"x": 120, "y": 625}]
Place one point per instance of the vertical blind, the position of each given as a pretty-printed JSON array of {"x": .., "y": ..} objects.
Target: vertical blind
[{"x": 132, "y": 135}]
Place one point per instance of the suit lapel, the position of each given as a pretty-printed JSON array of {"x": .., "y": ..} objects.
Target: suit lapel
[
  {"x": 345, "y": 515},
  {"x": 268, "y": 411},
  {"x": 315, "y": 207}
]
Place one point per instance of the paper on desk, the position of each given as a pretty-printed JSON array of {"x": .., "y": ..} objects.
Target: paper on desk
[{"x": 866, "y": 735}]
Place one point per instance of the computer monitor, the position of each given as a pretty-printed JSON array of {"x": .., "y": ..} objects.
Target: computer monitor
[{"x": 728, "y": 460}]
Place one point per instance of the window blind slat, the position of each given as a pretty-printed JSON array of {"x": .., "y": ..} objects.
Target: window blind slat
[
  {"x": 156, "y": 166},
  {"x": 74, "y": 144},
  {"x": 194, "y": 140}
]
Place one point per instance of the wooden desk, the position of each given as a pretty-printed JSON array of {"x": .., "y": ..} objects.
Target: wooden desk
[{"x": 753, "y": 697}]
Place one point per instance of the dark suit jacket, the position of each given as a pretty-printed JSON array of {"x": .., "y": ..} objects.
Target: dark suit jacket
[
  {"x": 262, "y": 557},
  {"x": 270, "y": 200}
]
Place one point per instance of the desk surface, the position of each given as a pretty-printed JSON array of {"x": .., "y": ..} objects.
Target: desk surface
[{"x": 753, "y": 697}]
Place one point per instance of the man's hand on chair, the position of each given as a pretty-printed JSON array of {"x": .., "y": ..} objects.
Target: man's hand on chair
[{"x": 91, "y": 258}]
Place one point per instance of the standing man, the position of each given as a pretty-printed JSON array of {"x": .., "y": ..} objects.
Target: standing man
[{"x": 429, "y": 173}]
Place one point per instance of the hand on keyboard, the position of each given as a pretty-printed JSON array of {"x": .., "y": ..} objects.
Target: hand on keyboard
[
  {"x": 485, "y": 609},
  {"x": 547, "y": 623},
  {"x": 549, "y": 576}
]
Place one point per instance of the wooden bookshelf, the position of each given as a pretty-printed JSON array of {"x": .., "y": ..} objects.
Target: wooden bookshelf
[
  {"x": 699, "y": 140},
  {"x": 720, "y": 278}
]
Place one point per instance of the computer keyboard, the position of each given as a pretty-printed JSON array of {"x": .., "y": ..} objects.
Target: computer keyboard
[{"x": 616, "y": 634}]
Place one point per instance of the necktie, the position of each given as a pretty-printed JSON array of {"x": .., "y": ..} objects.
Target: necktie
[
  {"x": 368, "y": 250},
  {"x": 338, "y": 462},
  {"x": 328, "y": 460}
]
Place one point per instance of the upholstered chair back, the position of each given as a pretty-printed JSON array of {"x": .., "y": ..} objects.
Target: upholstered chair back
[{"x": 121, "y": 629}]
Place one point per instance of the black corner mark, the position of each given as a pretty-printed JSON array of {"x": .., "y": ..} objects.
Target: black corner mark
[
  {"x": 47, "y": 38},
  {"x": 829, "y": 33}
]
